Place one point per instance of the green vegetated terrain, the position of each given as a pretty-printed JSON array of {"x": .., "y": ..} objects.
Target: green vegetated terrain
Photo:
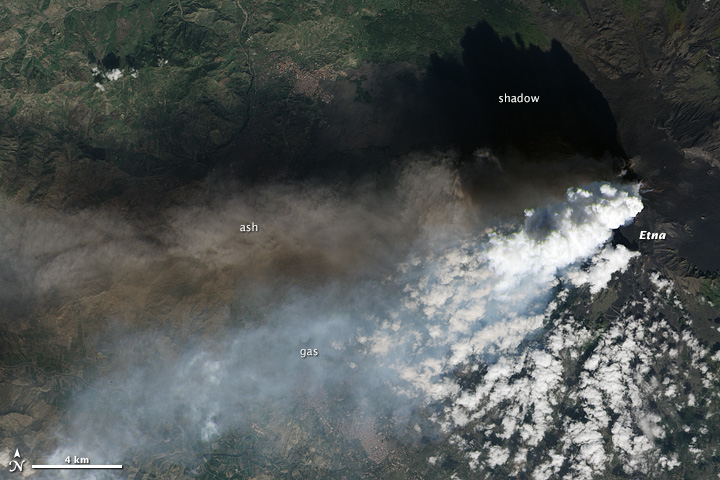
[{"x": 176, "y": 81}]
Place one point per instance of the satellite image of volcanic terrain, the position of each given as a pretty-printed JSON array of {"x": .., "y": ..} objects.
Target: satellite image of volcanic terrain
[{"x": 360, "y": 239}]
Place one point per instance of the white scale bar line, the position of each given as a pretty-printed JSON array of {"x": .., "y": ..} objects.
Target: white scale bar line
[{"x": 78, "y": 466}]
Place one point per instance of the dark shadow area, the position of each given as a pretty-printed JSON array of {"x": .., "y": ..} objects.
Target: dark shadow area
[
  {"x": 379, "y": 113},
  {"x": 571, "y": 116}
]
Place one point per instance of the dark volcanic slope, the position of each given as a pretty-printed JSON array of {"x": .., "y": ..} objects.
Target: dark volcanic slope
[{"x": 657, "y": 65}]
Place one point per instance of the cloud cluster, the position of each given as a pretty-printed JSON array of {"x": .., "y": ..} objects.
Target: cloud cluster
[
  {"x": 585, "y": 400},
  {"x": 601, "y": 268},
  {"x": 483, "y": 294},
  {"x": 554, "y": 238}
]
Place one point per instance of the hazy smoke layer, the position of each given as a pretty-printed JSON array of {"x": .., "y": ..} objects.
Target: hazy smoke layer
[{"x": 395, "y": 289}]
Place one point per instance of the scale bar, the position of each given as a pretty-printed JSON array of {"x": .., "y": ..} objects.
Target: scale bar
[{"x": 79, "y": 466}]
